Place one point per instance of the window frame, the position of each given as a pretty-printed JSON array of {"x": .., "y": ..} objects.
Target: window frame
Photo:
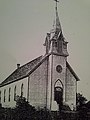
[
  {"x": 9, "y": 97},
  {"x": 15, "y": 93},
  {"x": 22, "y": 88},
  {"x": 4, "y": 95}
]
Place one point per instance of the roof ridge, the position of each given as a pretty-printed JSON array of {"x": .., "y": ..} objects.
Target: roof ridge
[
  {"x": 17, "y": 74},
  {"x": 30, "y": 61}
]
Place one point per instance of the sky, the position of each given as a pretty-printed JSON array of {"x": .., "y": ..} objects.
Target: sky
[{"x": 23, "y": 28}]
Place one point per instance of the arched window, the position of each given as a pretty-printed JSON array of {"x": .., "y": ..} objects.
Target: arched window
[
  {"x": 22, "y": 90},
  {"x": 9, "y": 95},
  {"x": 4, "y": 95},
  {"x": 58, "y": 83},
  {"x": 0, "y": 96},
  {"x": 14, "y": 93}
]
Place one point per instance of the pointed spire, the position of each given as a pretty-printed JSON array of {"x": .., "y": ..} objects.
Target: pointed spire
[{"x": 56, "y": 26}]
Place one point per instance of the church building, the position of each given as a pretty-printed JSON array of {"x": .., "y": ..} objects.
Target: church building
[{"x": 45, "y": 81}]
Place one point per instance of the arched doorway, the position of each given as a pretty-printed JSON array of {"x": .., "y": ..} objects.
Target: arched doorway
[{"x": 58, "y": 92}]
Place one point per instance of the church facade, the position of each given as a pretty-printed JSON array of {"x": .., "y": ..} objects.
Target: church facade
[{"x": 45, "y": 81}]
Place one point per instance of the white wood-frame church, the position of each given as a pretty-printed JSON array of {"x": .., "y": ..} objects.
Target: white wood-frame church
[{"x": 42, "y": 79}]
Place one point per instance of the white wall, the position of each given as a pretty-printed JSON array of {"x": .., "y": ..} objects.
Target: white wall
[
  {"x": 37, "y": 86},
  {"x": 71, "y": 85},
  {"x": 18, "y": 92}
]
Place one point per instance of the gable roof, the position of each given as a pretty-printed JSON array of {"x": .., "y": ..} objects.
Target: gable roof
[
  {"x": 28, "y": 68},
  {"x": 21, "y": 72},
  {"x": 72, "y": 71}
]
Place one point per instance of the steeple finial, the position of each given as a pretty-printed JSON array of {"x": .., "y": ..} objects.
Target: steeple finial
[{"x": 56, "y": 4}]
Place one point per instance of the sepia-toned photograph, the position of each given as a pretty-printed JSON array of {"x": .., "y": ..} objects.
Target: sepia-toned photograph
[{"x": 44, "y": 60}]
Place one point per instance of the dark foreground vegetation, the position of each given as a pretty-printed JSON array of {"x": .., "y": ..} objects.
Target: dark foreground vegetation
[{"x": 24, "y": 111}]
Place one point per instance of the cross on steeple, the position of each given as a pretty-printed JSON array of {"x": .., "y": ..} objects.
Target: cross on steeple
[{"x": 56, "y": 3}]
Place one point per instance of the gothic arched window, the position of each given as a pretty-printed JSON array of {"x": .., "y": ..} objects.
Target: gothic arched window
[
  {"x": 4, "y": 95},
  {"x": 58, "y": 83},
  {"x": 0, "y": 96},
  {"x": 9, "y": 95},
  {"x": 22, "y": 90},
  {"x": 14, "y": 93}
]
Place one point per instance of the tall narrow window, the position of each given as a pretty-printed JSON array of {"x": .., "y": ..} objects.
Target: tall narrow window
[
  {"x": 4, "y": 95},
  {"x": 9, "y": 95},
  {"x": 22, "y": 90},
  {"x": 0, "y": 96},
  {"x": 15, "y": 93}
]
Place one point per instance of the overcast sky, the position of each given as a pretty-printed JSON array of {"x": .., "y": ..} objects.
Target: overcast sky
[{"x": 23, "y": 27}]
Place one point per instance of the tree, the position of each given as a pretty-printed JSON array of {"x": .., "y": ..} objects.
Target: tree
[
  {"x": 23, "y": 110},
  {"x": 81, "y": 106},
  {"x": 80, "y": 100},
  {"x": 2, "y": 112}
]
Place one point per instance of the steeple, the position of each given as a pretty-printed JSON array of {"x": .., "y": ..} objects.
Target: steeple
[
  {"x": 57, "y": 30},
  {"x": 55, "y": 42}
]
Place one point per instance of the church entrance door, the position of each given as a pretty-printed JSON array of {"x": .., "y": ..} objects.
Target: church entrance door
[{"x": 58, "y": 92}]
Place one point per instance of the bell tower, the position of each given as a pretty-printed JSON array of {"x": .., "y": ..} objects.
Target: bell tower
[
  {"x": 56, "y": 48},
  {"x": 55, "y": 42}
]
